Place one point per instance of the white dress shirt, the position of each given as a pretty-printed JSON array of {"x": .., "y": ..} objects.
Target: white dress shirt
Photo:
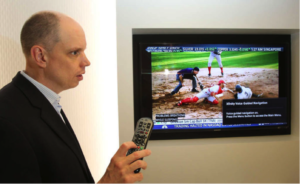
[{"x": 52, "y": 97}]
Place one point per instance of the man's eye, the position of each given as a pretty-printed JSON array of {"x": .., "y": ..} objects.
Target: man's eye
[{"x": 74, "y": 52}]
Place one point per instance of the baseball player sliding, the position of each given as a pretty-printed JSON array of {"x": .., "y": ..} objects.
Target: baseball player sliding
[
  {"x": 208, "y": 93},
  {"x": 215, "y": 54},
  {"x": 244, "y": 93}
]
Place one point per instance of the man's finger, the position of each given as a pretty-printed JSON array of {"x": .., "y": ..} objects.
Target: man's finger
[
  {"x": 133, "y": 177},
  {"x": 124, "y": 148},
  {"x": 138, "y": 164},
  {"x": 139, "y": 176},
  {"x": 137, "y": 155}
]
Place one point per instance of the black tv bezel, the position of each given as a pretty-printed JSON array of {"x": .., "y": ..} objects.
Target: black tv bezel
[{"x": 140, "y": 110}]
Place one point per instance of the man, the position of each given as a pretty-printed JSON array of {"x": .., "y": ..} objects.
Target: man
[
  {"x": 244, "y": 93},
  {"x": 215, "y": 54},
  {"x": 208, "y": 93},
  {"x": 187, "y": 73},
  {"x": 36, "y": 140}
]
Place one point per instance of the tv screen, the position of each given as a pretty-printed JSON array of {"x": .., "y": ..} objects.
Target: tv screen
[{"x": 196, "y": 86}]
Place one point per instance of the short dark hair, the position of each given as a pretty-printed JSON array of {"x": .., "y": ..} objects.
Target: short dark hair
[
  {"x": 196, "y": 69},
  {"x": 41, "y": 28}
]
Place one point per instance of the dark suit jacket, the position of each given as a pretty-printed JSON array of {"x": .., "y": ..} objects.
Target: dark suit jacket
[{"x": 35, "y": 144}]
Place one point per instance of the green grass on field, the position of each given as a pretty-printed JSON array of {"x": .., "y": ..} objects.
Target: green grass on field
[{"x": 181, "y": 60}]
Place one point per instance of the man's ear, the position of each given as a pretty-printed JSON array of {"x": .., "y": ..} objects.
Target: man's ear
[{"x": 38, "y": 55}]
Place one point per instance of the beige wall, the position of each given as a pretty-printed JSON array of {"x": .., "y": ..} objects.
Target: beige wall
[
  {"x": 91, "y": 107},
  {"x": 226, "y": 160}
]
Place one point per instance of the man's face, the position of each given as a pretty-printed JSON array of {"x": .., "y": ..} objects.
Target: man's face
[
  {"x": 67, "y": 60},
  {"x": 196, "y": 72}
]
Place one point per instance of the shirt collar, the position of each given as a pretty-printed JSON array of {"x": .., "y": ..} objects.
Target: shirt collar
[{"x": 51, "y": 96}]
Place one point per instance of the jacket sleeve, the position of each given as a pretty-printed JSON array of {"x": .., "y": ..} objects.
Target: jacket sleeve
[{"x": 18, "y": 163}]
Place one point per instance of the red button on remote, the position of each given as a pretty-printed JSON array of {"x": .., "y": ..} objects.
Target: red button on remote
[{"x": 146, "y": 132}]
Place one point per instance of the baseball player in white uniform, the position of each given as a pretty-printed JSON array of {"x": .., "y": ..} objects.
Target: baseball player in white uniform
[
  {"x": 244, "y": 93},
  {"x": 208, "y": 93},
  {"x": 215, "y": 54}
]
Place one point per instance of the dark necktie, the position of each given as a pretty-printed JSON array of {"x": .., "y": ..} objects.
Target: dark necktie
[{"x": 68, "y": 124}]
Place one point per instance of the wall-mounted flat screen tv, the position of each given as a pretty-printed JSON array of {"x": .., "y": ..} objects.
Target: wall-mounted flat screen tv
[{"x": 200, "y": 86}]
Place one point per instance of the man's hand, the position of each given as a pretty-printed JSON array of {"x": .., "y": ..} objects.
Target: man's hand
[
  {"x": 201, "y": 86},
  {"x": 227, "y": 89},
  {"x": 121, "y": 167},
  {"x": 216, "y": 97},
  {"x": 181, "y": 79}
]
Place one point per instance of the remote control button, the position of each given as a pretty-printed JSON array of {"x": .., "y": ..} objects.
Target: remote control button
[
  {"x": 146, "y": 132},
  {"x": 142, "y": 148},
  {"x": 141, "y": 132}
]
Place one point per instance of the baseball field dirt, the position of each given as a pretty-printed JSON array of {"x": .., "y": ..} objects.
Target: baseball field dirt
[{"x": 259, "y": 80}]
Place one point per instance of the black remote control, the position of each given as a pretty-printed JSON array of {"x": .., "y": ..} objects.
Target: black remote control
[{"x": 141, "y": 136}]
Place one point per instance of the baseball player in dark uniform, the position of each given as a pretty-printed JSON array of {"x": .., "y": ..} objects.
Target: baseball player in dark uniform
[{"x": 187, "y": 73}]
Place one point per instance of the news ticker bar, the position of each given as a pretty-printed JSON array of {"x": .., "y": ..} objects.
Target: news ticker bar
[
  {"x": 208, "y": 49},
  {"x": 203, "y": 125}
]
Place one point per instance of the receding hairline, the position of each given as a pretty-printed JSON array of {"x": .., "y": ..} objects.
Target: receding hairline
[
  {"x": 50, "y": 12},
  {"x": 42, "y": 28}
]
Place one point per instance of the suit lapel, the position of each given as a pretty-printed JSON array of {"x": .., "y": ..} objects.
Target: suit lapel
[
  {"x": 50, "y": 117},
  {"x": 69, "y": 127},
  {"x": 54, "y": 121},
  {"x": 71, "y": 130}
]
